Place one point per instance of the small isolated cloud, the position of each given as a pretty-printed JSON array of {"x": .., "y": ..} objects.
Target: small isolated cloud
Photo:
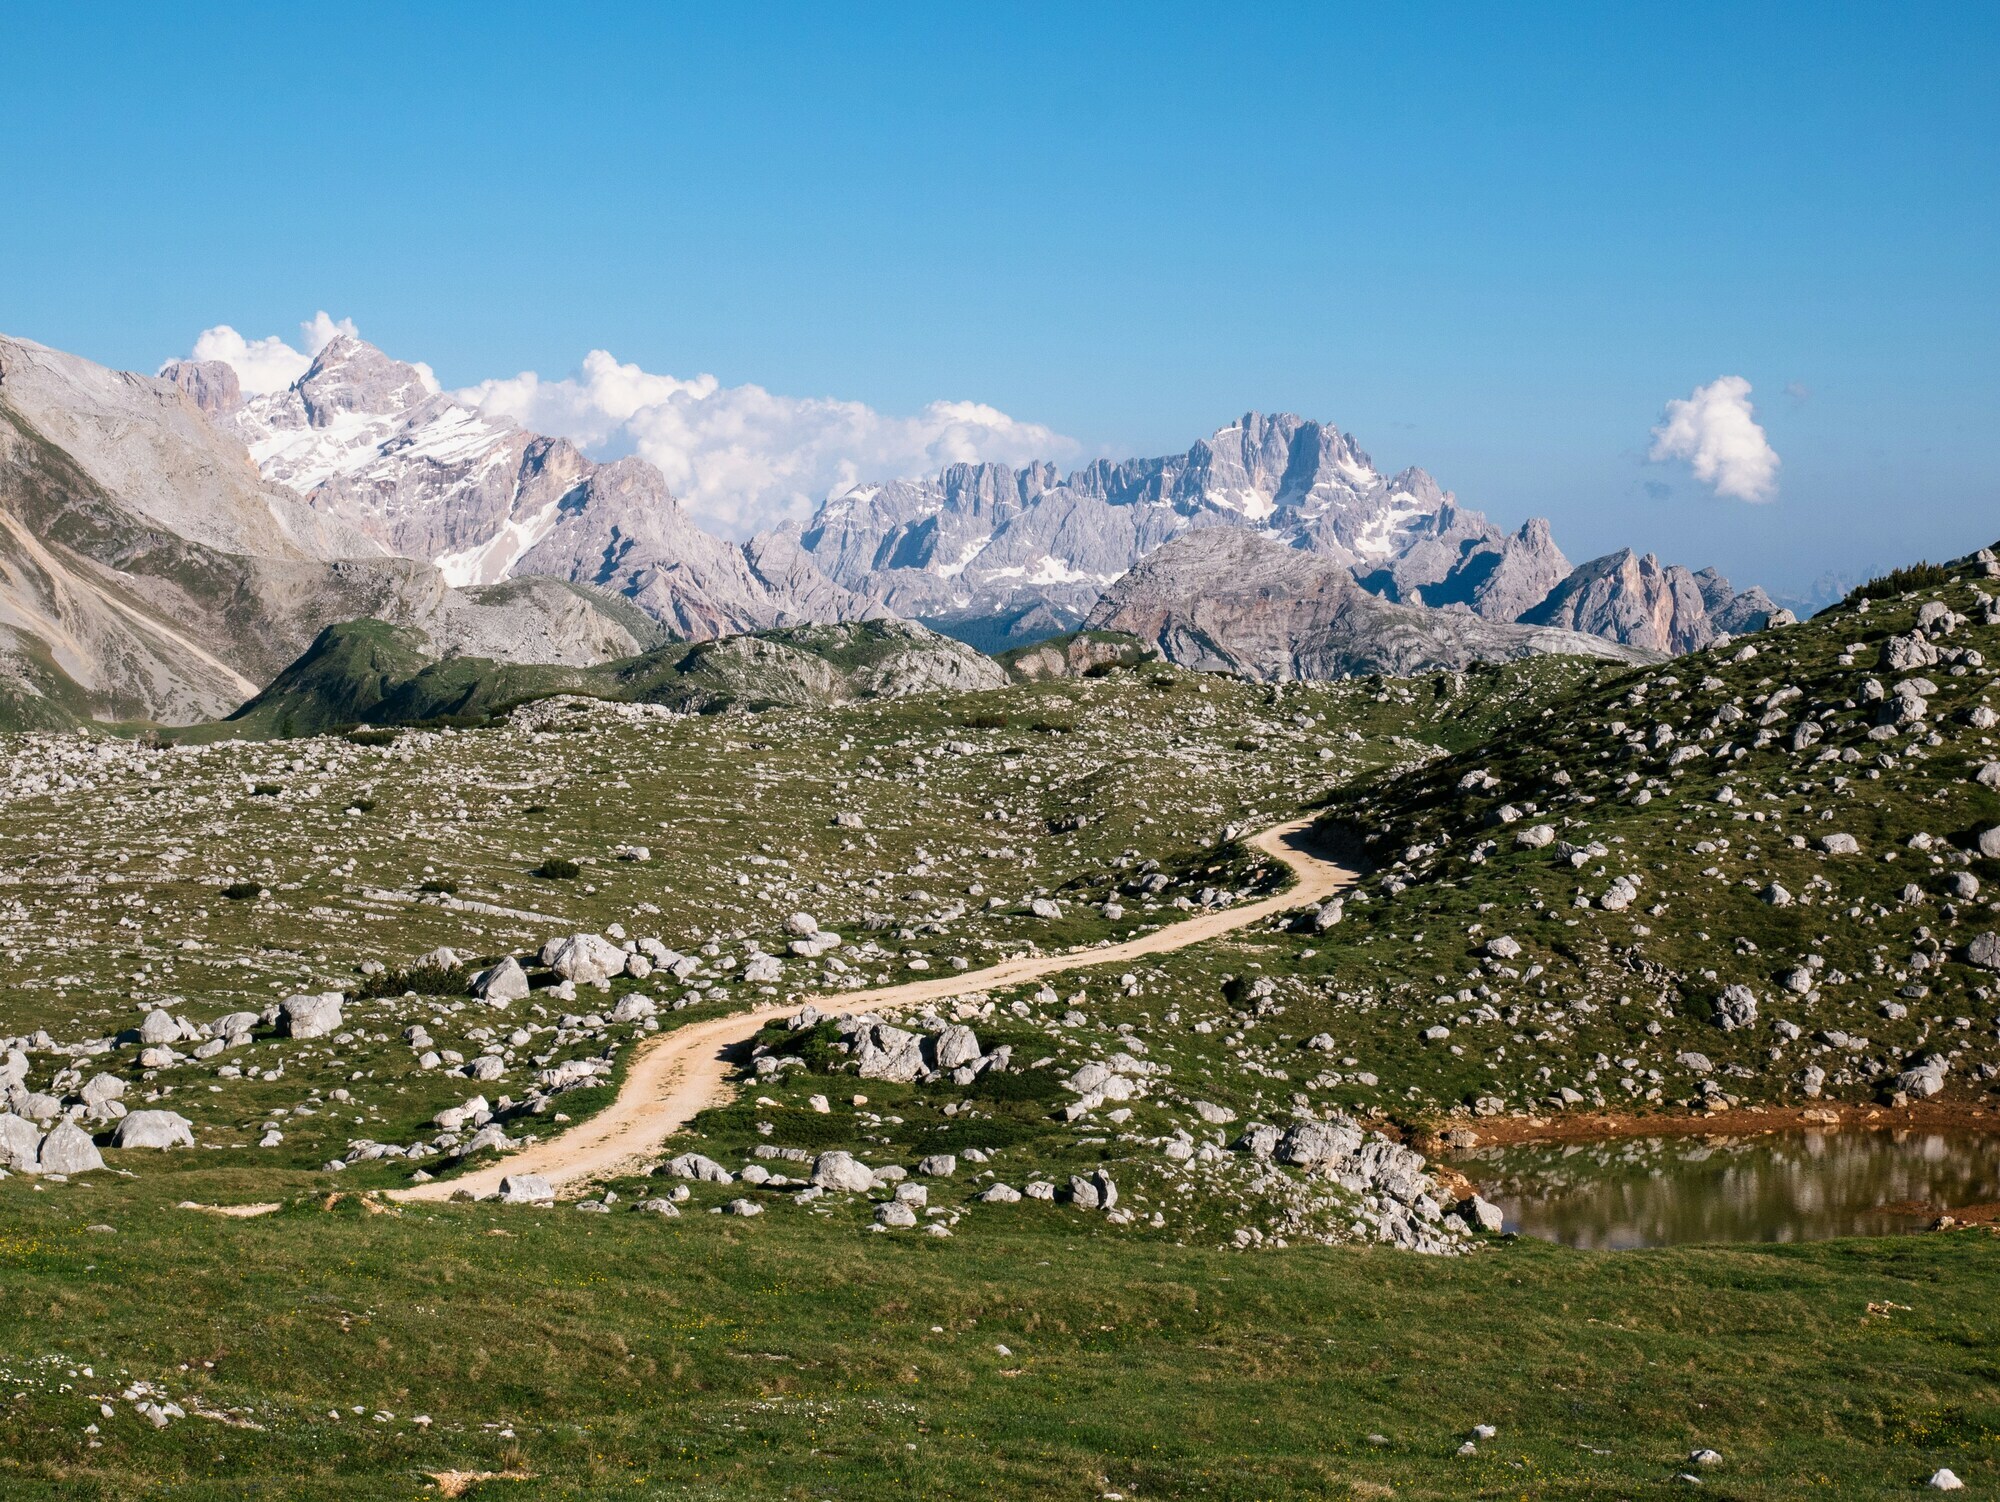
[
  {"x": 742, "y": 458},
  {"x": 269, "y": 364},
  {"x": 1798, "y": 391},
  {"x": 1715, "y": 432}
]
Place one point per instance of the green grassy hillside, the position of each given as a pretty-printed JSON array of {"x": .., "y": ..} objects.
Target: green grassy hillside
[
  {"x": 1572, "y": 902},
  {"x": 369, "y": 672}
]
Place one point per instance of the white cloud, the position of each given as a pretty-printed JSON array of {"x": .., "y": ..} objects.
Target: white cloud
[
  {"x": 269, "y": 364},
  {"x": 588, "y": 408},
  {"x": 1715, "y": 431},
  {"x": 742, "y": 458}
]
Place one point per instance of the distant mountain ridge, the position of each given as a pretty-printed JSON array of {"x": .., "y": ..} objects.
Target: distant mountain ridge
[
  {"x": 1231, "y": 600},
  {"x": 168, "y": 545},
  {"x": 994, "y": 555},
  {"x": 1000, "y": 555}
]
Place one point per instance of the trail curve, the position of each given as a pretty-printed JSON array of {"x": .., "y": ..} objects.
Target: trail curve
[{"x": 676, "y": 1075}]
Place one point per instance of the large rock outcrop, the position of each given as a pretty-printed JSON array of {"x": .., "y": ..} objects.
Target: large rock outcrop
[{"x": 1645, "y": 603}]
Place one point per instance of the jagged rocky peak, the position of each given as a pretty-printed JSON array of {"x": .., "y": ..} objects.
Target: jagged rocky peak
[
  {"x": 1637, "y": 599},
  {"x": 350, "y": 375},
  {"x": 1455, "y": 559},
  {"x": 1262, "y": 464},
  {"x": 998, "y": 555},
  {"x": 982, "y": 546},
  {"x": 1528, "y": 568}
]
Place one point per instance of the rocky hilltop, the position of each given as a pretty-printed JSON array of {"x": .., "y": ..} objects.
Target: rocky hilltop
[
  {"x": 1227, "y": 599},
  {"x": 371, "y": 672},
  {"x": 370, "y": 443}
]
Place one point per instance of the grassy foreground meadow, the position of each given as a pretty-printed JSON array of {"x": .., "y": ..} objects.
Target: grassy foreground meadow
[{"x": 338, "y": 1351}]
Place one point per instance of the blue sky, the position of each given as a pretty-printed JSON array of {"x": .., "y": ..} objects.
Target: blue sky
[{"x": 1491, "y": 241}]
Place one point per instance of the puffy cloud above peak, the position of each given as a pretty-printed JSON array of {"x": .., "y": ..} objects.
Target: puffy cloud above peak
[
  {"x": 588, "y": 408},
  {"x": 742, "y": 458},
  {"x": 1716, "y": 433},
  {"x": 269, "y": 364},
  {"x": 320, "y": 330}
]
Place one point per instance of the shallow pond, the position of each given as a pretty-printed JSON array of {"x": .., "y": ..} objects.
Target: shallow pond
[{"x": 1784, "y": 1186}]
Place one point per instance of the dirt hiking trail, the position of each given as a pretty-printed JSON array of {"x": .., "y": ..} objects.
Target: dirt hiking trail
[{"x": 676, "y": 1075}]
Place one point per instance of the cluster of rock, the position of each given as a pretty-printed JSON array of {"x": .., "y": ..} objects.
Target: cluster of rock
[
  {"x": 937, "y": 1052},
  {"x": 902, "y": 1202},
  {"x": 1114, "y": 1080},
  {"x": 52, "y": 1131},
  {"x": 1396, "y": 1200},
  {"x": 593, "y": 961},
  {"x": 49, "y": 1131}
]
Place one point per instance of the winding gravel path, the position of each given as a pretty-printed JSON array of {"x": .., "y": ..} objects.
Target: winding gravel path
[{"x": 676, "y": 1075}]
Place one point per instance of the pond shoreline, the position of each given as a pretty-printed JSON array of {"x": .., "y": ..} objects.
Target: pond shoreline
[
  {"x": 1616, "y": 1182},
  {"x": 1747, "y": 1121}
]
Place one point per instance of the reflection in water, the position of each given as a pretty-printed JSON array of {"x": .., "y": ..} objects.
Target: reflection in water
[{"x": 1790, "y": 1186}]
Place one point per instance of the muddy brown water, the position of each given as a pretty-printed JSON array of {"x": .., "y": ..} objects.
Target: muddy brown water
[{"x": 1778, "y": 1186}]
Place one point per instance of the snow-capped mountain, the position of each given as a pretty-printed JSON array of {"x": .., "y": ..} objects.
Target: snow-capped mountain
[
  {"x": 1001, "y": 556},
  {"x": 147, "y": 571},
  {"x": 1030, "y": 550},
  {"x": 371, "y": 441}
]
